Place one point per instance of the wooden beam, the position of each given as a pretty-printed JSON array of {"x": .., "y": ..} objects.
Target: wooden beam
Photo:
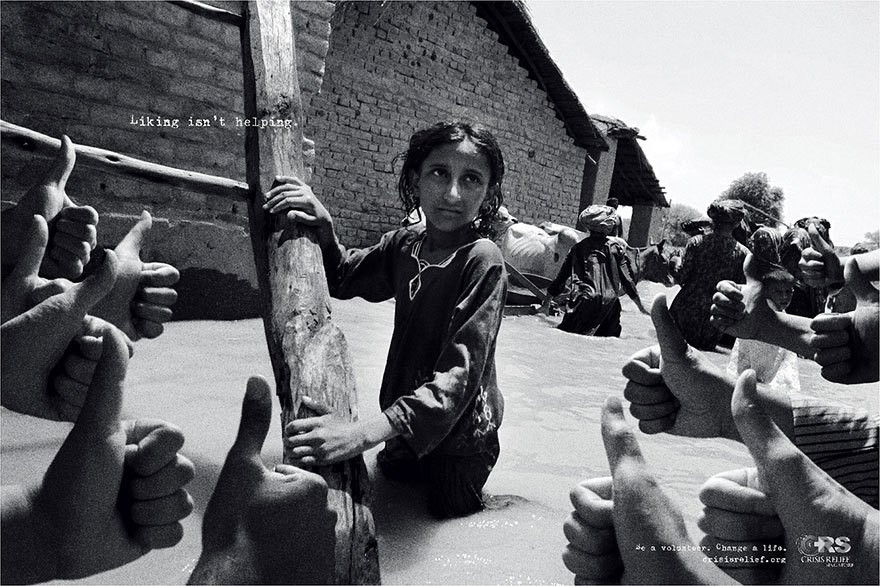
[
  {"x": 524, "y": 280},
  {"x": 308, "y": 352},
  {"x": 34, "y": 142},
  {"x": 211, "y": 12}
]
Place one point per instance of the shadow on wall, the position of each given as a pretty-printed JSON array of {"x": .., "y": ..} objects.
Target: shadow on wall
[{"x": 210, "y": 294}]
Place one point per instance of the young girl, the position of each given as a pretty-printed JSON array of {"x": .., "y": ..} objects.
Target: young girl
[{"x": 440, "y": 400}]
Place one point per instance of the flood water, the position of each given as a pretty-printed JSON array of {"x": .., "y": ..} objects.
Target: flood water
[{"x": 553, "y": 382}]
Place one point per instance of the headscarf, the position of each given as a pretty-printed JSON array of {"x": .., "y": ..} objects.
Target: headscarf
[
  {"x": 822, "y": 225},
  {"x": 726, "y": 211},
  {"x": 696, "y": 226},
  {"x": 598, "y": 218}
]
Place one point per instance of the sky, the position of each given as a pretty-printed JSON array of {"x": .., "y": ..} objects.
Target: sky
[{"x": 720, "y": 89}]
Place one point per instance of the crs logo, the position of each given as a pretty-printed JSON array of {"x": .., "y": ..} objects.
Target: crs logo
[{"x": 822, "y": 544}]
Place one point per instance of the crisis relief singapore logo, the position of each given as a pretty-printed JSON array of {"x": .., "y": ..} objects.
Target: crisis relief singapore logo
[{"x": 824, "y": 549}]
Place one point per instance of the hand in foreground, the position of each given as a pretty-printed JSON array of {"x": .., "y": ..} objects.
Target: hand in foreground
[
  {"x": 35, "y": 341},
  {"x": 155, "y": 473},
  {"x": 72, "y": 376},
  {"x": 141, "y": 300},
  {"x": 819, "y": 263},
  {"x": 592, "y": 554},
  {"x": 20, "y": 287},
  {"x": 70, "y": 526},
  {"x": 742, "y": 311},
  {"x": 262, "y": 526},
  {"x": 675, "y": 388},
  {"x": 653, "y": 546},
  {"x": 322, "y": 440},
  {"x": 152, "y": 484},
  {"x": 741, "y": 524},
  {"x": 73, "y": 228},
  {"x": 847, "y": 343},
  {"x": 807, "y": 501}
]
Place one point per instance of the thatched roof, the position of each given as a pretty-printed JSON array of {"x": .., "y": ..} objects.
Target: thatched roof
[
  {"x": 633, "y": 181},
  {"x": 510, "y": 20}
]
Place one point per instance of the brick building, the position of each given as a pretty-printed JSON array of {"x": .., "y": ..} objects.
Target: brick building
[
  {"x": 623, "y": 172},
  {"x": 371, "y": 73}
]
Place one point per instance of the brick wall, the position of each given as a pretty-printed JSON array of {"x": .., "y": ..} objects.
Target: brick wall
[
  {"x": 86, "y": 68},
  {"x": 395, "y": 67}
]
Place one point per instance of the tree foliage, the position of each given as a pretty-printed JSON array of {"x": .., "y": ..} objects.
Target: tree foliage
[
  {"x": 755, "y": 190},
  {"x": 669, "y": 225}
]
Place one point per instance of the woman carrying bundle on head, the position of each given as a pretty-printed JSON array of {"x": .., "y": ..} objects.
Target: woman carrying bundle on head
[
  {"x": 708, "y": 259},
  {"x": 597, "y": 272}
]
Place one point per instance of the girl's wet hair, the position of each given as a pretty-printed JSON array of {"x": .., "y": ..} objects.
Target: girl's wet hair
[{"x": 424, "y": 141}]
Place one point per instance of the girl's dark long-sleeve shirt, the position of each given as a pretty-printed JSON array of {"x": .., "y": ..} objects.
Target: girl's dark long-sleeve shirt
[{"x": 439, "y": 389}]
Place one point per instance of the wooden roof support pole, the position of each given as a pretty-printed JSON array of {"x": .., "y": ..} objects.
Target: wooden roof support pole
[{"x": 308, "y": 352}]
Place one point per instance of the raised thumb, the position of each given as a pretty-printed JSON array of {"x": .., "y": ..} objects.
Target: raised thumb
[
  {"x": 34, "y": 248},
  {"x": 64, "y": 162},
  {"x": 778, "y": 460},
  {"x": 256, "y": 416},
  {"x": 818, "y": 243},
  {"x": 672, "y": 343},
  {"x": 858, "y": 281},
  {"x": 86, "y": 294},
  {"x": 754, "y": 268},
  {"x": 130, "y": 246},
  {"x": 621, "y": 445},
  {"x": 103, "y": 403}
]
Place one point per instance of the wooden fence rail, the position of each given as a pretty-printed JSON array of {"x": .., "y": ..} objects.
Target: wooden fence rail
[{"x": 110, "y": 162}]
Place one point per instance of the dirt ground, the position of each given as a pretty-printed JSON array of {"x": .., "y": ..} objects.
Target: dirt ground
[{"x": 553, "y": 383}]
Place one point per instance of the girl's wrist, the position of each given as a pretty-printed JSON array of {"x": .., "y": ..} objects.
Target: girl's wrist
[
  {"x": 375, "y": 431},
  {"x": 327, "y": 236}
]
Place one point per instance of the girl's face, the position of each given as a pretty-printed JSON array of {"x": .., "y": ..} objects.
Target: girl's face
[{"x": 451, "y": 185}]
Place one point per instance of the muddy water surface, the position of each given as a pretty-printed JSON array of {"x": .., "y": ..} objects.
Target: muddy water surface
[{"x": 553, "y": 383}]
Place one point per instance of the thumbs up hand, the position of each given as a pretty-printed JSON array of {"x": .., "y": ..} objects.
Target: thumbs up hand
[
  {"x": 819, "y": 263},
  {"x": 807, "y": 501},
  {"x": 142, "y": 298},
  {"x": 651, "y": 537},
  {"x": 675, "y": 388},
  {"x": 72, "y": 227},
  {"x": 265, "y": 526},
  {"x": 846, "y": 344},
  {"x": 72, "y": 525},
  {"x": 739, "y": 516},
  {"x": 742, "y": 310},
  {"x": 592, "y": 554},
  {"x": 23, "y": 281},
  {"x": 35, "y": 340}
]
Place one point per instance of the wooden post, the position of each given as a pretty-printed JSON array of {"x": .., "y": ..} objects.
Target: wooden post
[
  {"x": 525, "y": 282},
  {"x": 308, "y": 352}
]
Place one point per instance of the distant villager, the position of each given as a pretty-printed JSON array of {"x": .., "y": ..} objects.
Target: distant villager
[
  {"x": 694, "y": 226},
  {"x": 598, "y": 271},
  {"x": 612, "y": 203},
  {"x": 707, "y": 259}
]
